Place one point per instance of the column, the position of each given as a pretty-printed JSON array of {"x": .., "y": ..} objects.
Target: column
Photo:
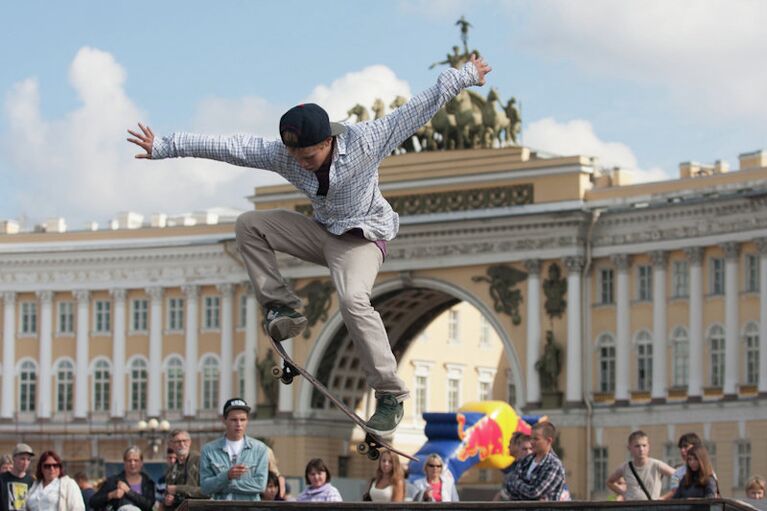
[
  {"x": 659, "y": 345},
  {"x": 695, "y": 370},
  {"x": 154, "y": 384},
  {"x": 285, "y": 398},
  {"x": 574, "y": 392},
  {"x": 761, "y": 243},
  {"x": 251, "y": 348},
  {"x": 533, "y": 267},
  {"x": 8, "y": 406},
  {"x": 118, "y": 354},
  {"x": 623, "y": 329},
  {"x": 83, "y": 297},
  {"x": 731, "y": 320},
  {"x": 192, "y": 294},
  {"x": 225, "y": 381},
  {"x": 46, "y": 347}
]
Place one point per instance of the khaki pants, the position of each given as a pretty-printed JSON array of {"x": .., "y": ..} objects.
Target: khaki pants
[{"x": 353, "y": 262}]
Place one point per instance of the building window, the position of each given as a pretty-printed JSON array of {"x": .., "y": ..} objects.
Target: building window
[
  {"x": 212, "y": 312},
  {"x": 511, "y": 391},
  {"x": 66, "y": 318},
  {"x": 680, "y": 345},
  {"x": 484, "y": 391},
  {"x": 645, "y": 283},
  {"x": 243, "y": 310},
  {"x": 717, "y": 276},
  {"x": 174, "y": 380},
  {"x": 421, "y": 390},
  {"x": 241, "y": 377},
  {"x": 752, "y": 273},
  {"x": 175, "y": 314},
  {"x": 680, "y": 279},
  {"x": 711, "y": 448},
  {"x": 452, "y": 326},
  {"x": 102, "y": 377},
  {"x": 484, "y": 332},
  {"x": 453, "y": 394},
  {"x": 606, "y": 295},
  {"x": 600, "y": 469},
  {"x": 716, "y": 340},
  {"x": 140, "y": 316},
  {"x": 103, "y": 317},
  {"x": 138, "y": 385},
  {"x": 743, "y": 463},
  {"x": 606, "y": 347},
  {"x": 485, "y": 379},
  {"x": 644, "y": 361},
  {"x": 210, "y": 377},
  {"x": 65, "y": 383},
  {"x": 28, "y": 318},
  {"x": 752, "y": 354},
  {"x": 27, "y": 387}
]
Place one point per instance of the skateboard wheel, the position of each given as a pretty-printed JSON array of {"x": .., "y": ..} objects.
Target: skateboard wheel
[
  {"x": 363, "y": 448},
  {"x": 276, "y": 372},
  {"x": 373, "y": 454},
  {"x": 287, "y": 379}
]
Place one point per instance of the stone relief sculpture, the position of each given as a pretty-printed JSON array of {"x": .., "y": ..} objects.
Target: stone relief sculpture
[
  {"x": 506, "y": 298},
  {"x": 550, "y": 364},
  {"x": 317, "y": 295},
  {"x": 555, "y": 287}
]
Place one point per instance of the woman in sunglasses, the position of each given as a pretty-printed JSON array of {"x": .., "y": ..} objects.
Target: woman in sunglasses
[
  {"x": 53, "y": 490},
  {"x": 438, "y": 485},
  {"x": 132, "y": 489}
]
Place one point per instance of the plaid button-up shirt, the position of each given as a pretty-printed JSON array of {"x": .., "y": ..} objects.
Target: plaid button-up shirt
[
  {"x": 353, "y": 199},
  {"x": 546, "y": 481}
]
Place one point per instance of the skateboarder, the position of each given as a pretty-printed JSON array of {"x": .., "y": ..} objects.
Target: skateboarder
[{"x": 336, "y": 167}]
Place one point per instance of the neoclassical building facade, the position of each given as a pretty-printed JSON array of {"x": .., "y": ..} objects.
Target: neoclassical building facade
[{"x": 655, "y": 294}]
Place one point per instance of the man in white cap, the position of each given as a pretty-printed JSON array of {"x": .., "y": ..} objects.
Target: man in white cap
[{"x": 15, "y": 484}]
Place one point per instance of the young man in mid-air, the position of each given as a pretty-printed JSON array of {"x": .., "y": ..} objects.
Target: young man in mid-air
[{"x": 336, "y": 167}]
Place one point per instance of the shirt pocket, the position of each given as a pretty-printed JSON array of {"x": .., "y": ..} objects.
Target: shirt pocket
[{"x": 219, "y": 467}]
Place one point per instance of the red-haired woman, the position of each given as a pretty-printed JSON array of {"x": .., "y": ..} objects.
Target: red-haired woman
[{"x": 53, "y": 490}]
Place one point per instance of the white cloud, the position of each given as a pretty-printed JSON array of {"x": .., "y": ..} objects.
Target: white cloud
[
  {"x": 578, "y": 137},
  {"x": 706, "y": 54},
  {"x": 359, "y": 87}
]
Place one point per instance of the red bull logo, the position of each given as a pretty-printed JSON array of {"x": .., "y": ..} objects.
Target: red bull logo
[{"x": 485, "y": 438}]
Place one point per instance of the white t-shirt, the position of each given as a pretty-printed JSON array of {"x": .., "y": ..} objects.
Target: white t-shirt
[{"x": 234, "y": 448}]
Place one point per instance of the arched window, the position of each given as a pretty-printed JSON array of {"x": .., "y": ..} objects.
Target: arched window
[
  {"x": 644, "y": 361},
  {"x": 680, "y": 345},
  {"x": 716, "y": 351},
  {"x": 65, "y": 384},
  {"x": 102, "y": 385},
  {"x": 752, "y": 354},
  {"x": 606, "y": 347},
  {"x": 138, "y": 384},
  {"x": 174, "y": 380},
  {"x": 27, "y": 386},
  {"x": 210, "y": 377}
]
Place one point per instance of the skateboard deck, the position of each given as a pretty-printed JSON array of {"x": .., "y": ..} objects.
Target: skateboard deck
[{"x": 373, "y": 441}]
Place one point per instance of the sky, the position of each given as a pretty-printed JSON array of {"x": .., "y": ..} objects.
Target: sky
[{"x": 641, "y": 84}]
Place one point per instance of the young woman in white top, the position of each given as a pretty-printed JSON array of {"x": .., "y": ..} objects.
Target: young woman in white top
[{"x": 389, "y": 483}]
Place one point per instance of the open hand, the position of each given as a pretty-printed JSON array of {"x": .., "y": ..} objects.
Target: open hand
[
  {"x": 480, "y": 64},
  {"x": 144, "y": 140}
]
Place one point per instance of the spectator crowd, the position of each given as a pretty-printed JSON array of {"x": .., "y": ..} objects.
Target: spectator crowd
[{"x": 237, "y": 467}]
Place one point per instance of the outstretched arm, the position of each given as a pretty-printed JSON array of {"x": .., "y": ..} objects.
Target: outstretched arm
[{"x": 144, "y": 140}]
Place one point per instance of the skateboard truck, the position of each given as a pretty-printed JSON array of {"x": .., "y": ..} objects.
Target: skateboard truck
[{"x": 286, "y": 373}]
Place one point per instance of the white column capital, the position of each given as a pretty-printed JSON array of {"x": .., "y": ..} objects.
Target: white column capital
[
  {"x": 9, "y": 297},
  {"x": 119, "y": 294},
  {"x": 155, "y": 293},
  {"x": 659, "y": 258},
  {"x": 45, "y": 297},
  {"x": 621, "y": 261},
  {"x": 575, "y": 264},
  {"x": 731, "y": 249},
  {"x": 761, "y": 245},
  {"x": 533, "y": 266},
  {"x": 694, "y": 254},
  {"x": 82, "y": 295},
  {"x": 226, "y": 288},
  {"x": 191, "y": 291}
]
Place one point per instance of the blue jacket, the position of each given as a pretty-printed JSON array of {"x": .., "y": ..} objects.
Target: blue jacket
[{"x": 215, "y": 465}]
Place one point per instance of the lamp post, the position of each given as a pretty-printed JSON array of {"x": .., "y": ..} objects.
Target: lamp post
[{"x": 155, "y": 430}]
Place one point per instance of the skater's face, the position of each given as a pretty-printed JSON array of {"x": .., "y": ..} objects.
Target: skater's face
[
  {"x": 236, "y": 423},
  {"x": 317, "y": 478},
  {"x": 311, "y": 158}
]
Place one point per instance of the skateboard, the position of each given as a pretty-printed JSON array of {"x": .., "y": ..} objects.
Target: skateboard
[{"x": 373, "y": 442}]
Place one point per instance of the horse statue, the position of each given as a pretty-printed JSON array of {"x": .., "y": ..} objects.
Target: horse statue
[
  {"x": 378, "y": 108},
  {"x": 496, "y": 124},
  {"x": 360, "y": 112},
  {"x": 467, "y": 108},
  {"x": 424, "y": 134}
]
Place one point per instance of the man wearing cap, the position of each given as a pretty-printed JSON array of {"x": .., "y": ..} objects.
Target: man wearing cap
[
  {"x": 15, "y": 484},
  {"x": 336, "y": 167},
  {"x": 236, "y": 466}
]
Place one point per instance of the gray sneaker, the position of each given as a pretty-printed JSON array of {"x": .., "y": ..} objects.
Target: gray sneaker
[
  {"x": 282, "y": 322},
  {"x": 387, "y": 416}
]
